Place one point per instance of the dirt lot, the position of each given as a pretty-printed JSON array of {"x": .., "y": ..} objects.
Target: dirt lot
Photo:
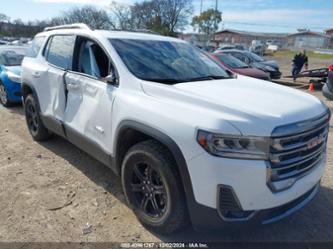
[{"x": 52, "y": 191}]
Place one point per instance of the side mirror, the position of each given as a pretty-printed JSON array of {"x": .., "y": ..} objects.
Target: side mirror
[{"x": 111, "y": 79}]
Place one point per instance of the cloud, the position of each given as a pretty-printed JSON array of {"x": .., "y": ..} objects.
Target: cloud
[
  {"x": 91, "y": 2},
  {"x": 279, "y": 16}
]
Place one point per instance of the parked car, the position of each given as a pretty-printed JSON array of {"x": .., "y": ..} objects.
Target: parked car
[
  {"x": 230, "y": 46},
  {"x": 10, "y": 74},
  {"x": 256, "y": 61},
  {"x": 239, "y": 67},
  {"x": 191, "y": 143},
  {"x": 328, "y": 87}
]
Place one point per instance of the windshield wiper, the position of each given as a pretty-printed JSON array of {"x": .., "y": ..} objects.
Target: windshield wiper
[
  {"x": 164, "y": 81},
  {"x": 208, "y": 77}
]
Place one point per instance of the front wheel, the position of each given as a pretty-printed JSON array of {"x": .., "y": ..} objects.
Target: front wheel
[
  {"x": 152, "y": 187},
  {"x": 35, "y": 125}
]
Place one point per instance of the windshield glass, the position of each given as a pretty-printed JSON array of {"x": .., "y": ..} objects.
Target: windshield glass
[
  {"x": 231, "y": 61},
  {"x": 254, "y": 57},
  {"x": 12, "y": 56},
  {"x": 167, "y": 61}
]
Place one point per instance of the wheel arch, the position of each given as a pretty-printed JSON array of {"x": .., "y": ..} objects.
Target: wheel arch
[
  {"x": 123, "y": 142},
  {"x": 28, "y": 89}
]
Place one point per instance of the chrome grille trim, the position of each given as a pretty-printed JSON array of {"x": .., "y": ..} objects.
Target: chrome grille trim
[{"x": 294, "y": 154}]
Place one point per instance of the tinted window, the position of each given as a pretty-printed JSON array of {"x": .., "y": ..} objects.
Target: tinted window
[
  {"x": 12, "y": 56},
  {"x": 59, "y": 51},
  {"x": 231, "y": 61},
  {"x": 166, "y": 61},
  {"x": 92, "y": 60},
  {"x": 255, "y": 57},
  {"x": 239, "y": 56},
  {"x": 35, "y": 46}
]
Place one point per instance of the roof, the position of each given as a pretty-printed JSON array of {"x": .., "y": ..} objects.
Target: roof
[
  {"x": 309, "y": 33},
  {"x": 250, "y": 33}
]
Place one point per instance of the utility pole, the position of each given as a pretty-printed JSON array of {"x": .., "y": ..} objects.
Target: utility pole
[
  {"x": 201, "y": 7},
  {"x": 216, "y": 9}
]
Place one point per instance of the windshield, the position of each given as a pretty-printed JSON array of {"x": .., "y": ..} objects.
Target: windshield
[
  {"x": 167, "y": 61},
  {"x": 254, "y": 57},
  {"x": 12, "y": 56},
  {"x": 231, "y": 61}
]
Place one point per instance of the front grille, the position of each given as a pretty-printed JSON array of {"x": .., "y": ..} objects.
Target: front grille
[{"x": 297, "y": 148}]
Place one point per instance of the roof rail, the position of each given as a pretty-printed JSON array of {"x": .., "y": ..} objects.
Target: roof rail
[
  {"x": 147, "y": 31},
  {"x": 68, "y": 26}
]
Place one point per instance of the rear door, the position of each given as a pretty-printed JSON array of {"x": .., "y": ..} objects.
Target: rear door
[
  {"x": 58, "y": 55},
  {"x": 89, "y": 99}
]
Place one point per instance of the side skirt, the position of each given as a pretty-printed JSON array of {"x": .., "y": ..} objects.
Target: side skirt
[{"x": 87, "y": 145}]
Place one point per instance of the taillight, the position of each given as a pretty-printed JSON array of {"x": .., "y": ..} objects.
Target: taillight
[{"x": 330, "y": 68}]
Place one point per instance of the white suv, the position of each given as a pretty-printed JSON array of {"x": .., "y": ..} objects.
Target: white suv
[{"x": 192, "y": 142}]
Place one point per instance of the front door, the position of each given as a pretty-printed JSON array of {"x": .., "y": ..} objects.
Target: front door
[{"x": 89, "y": 99}]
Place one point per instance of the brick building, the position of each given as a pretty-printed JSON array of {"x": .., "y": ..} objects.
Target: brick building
[{"x": 231, "y": 36}]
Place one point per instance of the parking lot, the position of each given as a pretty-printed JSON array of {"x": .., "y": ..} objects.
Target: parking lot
[{"x": 52, "y": 191}]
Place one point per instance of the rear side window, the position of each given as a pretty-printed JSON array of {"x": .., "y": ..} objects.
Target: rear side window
[
  {"x": 59, "y": 51},
  {"x": 35, "y": 46}
]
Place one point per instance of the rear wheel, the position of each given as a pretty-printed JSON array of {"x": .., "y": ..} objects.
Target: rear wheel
[
  {"x": 4, "y": 96},
  {"x": 152, "y": 187},
  {"x": 35, "y": 125}
]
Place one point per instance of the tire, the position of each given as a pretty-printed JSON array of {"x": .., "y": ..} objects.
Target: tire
[
  {"x": 149, "y": 169},
  {"x": 4, "y": 96},
  {"x": 35, "y": 125}
]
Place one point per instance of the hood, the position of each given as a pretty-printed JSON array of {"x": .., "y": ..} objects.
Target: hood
[
  {"x": 251, "y": 72},
  {"x": 251, "y": 105},
  {"x": 15, "y": 69},
  {"x": 271, "y": 63}
]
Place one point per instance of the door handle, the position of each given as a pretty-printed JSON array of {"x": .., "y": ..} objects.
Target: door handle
[
  {"x": 73, "y": 86},
  {"x": 36, "y": 74}
]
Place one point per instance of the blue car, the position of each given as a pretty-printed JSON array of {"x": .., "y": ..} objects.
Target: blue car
[{"x": 10, "y": 74}]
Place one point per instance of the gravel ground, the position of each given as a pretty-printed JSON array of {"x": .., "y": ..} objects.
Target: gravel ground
[{"x": 53, "y": 192}]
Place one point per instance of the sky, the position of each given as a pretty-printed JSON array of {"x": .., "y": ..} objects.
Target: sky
[{"x": 250, "y": 15}]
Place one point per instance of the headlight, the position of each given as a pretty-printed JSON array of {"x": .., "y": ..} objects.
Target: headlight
[
  {"x": 14, "y": 77},
  {"x": 242, "y": 147}
]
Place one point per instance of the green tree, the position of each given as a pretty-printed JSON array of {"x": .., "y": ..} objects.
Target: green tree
[{"x": 207, "y": 22}]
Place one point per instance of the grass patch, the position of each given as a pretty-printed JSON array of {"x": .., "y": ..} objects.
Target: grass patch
[{"x": 310, "y": 54}]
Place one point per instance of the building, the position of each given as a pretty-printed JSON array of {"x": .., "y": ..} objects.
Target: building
[
  {"x": 309, "y": 40},
  {"x": 231, "y": 36},
  {"x": 329, "y": 32},
  {"x": 194, "y": 38}
]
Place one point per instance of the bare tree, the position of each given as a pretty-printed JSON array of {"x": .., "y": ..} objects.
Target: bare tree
[
  {"x": 122, "y": 15},
  {"x": 163, "y": 16},
  {"x": 93, "y": 17}
]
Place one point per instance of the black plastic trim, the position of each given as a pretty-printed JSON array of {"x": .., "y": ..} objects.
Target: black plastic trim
[{"x": 88, "y": 145}]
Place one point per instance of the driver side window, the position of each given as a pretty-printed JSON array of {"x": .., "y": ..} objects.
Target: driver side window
[{"x": 91, "y": 59}]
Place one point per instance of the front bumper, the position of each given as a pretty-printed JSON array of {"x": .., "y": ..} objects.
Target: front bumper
[
  {"x": 209, "y": 219},
  {"x": 14, "y": 91},
  {"x": 248, "y": 180},
  {"x": 275, "y": 75}
]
